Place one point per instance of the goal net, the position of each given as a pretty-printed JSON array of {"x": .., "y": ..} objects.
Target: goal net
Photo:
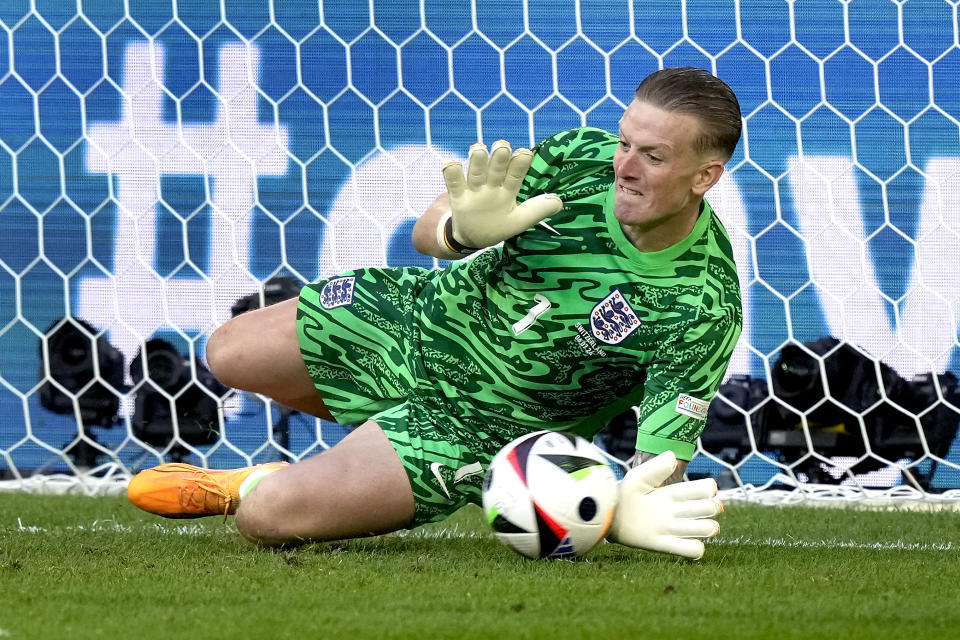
[{"x": 166, "y": 165}]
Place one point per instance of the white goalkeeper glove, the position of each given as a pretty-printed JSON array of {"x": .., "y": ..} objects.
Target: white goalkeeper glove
[
  {"x": 483, "y": 207},
  {"x": 668, "y": 519}
]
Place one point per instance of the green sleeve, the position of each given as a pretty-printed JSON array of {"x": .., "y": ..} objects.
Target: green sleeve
[
  {"x": 681, "y": 381},
  {"x": 565, "y": 158}
]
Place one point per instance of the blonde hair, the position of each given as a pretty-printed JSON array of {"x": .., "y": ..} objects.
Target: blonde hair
[{"x": 696, "y": 92}]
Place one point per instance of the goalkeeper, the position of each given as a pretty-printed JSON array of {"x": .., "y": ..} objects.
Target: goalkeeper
[{"x": 614, "y": 286}]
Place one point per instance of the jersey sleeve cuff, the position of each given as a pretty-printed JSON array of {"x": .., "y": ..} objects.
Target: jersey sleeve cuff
[{"x": 657, "y": 445}]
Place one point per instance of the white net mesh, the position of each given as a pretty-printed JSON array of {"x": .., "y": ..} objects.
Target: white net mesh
[{"x": 161, "y": 160}]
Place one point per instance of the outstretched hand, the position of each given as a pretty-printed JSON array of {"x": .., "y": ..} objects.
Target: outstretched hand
[
  {"x": 669, "y": 519},
  {"x": 483, "y": 204}
]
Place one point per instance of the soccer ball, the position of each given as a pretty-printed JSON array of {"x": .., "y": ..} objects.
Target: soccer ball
[{"x": 550, "y": 495}]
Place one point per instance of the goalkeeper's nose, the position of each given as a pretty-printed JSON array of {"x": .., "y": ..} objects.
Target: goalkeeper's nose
[{"x": 626, "y": 167}]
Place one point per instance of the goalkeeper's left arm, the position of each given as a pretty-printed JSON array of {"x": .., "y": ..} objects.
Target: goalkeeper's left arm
[
  {"x": 669, "y": 519},
  {"x": 656, "y": 511}
]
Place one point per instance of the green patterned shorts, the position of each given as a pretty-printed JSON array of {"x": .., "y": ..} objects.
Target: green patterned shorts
[
  {"x": 358, "y": 341},
  {"x": 357, "y": 338},
  {"x": 445, "y": 458}
]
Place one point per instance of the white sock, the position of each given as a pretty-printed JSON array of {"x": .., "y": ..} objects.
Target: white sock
[{"x": 252, "y": 480}]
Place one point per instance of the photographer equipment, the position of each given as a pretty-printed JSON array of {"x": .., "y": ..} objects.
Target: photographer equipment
[
  {"x": 70, "y": 353},
  {"x": 276, "y": 289},
  {"x": 170, "y": 395},
  {"x": 737, "y": 407},
  {"x": 800, "y": 378},
  {"x": 897, "y": 421}
]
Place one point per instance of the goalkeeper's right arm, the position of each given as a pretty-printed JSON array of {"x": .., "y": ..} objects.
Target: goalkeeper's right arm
[
  {"x": 482, "y": 207},
  {"x": 425, "y": 238}
]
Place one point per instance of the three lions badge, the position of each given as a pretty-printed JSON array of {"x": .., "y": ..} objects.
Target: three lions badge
[
  {"x": 613, "y": 319},
  {"x": 338, "y": 292}
]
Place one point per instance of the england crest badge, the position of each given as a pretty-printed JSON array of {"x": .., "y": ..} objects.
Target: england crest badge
[
  {"x": 613, "y": 319},
  {"x": 338, "y": 292}
]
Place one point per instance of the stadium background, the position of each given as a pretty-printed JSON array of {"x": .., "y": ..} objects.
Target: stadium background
[{"x": 159, "y": 160}]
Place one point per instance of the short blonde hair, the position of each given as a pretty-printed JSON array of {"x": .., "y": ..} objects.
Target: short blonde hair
[{"x": 696, "y": 92}]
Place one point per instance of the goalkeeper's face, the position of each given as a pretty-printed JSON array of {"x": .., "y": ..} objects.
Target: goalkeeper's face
[{"x": 660, "y": 176}]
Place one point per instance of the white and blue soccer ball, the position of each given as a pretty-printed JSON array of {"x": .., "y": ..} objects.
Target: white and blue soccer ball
[{"x": 550, "y": 495}]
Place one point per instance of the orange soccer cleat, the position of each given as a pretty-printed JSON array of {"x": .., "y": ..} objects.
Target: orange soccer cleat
[{"x": 177, "y": 490}]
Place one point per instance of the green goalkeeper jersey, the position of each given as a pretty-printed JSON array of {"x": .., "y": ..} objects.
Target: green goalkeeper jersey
[{"x": 563, "y": 329}]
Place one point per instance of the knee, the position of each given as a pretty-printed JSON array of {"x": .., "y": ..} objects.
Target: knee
[
  {"x": 261, "y": 517},
  {"x": 218, "y": 356}
]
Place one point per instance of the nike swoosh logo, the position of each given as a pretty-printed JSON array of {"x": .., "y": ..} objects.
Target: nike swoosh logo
[
  {"x": 435, "y": 468},
  {"x": 549, "y": 228}
]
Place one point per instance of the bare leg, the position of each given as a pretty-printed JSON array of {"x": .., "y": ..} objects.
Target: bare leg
[
  {"x": 259, "y": 351},
  {"x": 357, "y": 488}
]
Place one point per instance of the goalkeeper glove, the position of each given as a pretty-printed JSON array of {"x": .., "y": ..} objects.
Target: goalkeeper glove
[
  {"x": 667, "y": 519},
  {"x": 483, "y": 207}
]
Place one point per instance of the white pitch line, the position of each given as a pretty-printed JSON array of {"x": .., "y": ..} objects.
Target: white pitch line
[
  {"x": 457, "y": 533},
  {"x": 110, "y": 525},
  {"x": 898, "y": 545}
]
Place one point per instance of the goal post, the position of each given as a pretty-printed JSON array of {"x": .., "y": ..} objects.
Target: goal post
[{"x": 166, "y": 165}]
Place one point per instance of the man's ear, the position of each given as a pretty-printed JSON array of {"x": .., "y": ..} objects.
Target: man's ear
[{"x": 708, "y": 175}]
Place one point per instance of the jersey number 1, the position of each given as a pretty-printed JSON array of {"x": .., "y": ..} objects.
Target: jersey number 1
[{"x": 527, "y": 321}]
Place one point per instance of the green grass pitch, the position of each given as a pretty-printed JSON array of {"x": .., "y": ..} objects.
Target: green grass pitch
[{"x": 77, "y": 567}]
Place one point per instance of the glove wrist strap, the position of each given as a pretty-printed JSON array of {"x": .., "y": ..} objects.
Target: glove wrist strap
[{"x": 447, "y": 239}]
